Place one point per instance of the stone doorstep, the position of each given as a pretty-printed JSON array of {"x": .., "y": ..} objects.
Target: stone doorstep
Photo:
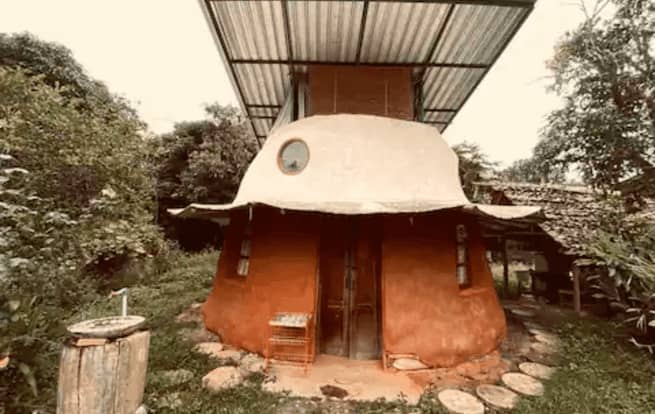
[{"x": 408, "y": 364}]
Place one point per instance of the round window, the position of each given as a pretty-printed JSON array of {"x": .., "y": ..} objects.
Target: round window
[{"x": 293, "y": 156}]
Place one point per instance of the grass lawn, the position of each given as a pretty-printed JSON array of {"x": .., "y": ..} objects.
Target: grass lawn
[{"x": 599, "y": 373}]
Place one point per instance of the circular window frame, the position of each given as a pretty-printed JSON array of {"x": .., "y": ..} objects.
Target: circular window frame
[{"x": 286, "y": 143}]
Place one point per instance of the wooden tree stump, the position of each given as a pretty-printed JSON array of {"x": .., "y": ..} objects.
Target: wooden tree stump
[{"x": 103, "y": 376}]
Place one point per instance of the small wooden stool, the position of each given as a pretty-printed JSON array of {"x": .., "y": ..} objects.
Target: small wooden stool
[{"x": 289, "y": 339}]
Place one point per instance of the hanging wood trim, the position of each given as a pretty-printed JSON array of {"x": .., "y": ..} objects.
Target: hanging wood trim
[{"x": 244, "y": 255}]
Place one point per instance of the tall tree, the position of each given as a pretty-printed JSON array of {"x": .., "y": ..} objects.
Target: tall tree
[
  {"x": 57, "y": 67},
  {"x": 474, "y": 165},
  {"x": 539, "y": 168},
  {"x": 201, "y": 161},
  {"x": 605, "y": 71}
]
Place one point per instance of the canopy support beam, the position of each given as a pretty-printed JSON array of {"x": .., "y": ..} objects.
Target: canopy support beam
[
  {"x": 577, "y": 303},
  {"x": 505, "y": 269},
  {"x": 350, "y": 63},
  {"x": 362, "y": 29}
]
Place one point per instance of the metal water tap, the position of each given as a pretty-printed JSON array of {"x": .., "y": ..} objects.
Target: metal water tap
[{"x": 123, "y": 294}]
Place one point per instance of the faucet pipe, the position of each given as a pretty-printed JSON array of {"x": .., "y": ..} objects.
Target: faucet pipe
[{"x": 123, "y": 294}]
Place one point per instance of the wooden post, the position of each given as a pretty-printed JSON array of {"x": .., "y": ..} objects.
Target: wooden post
[
  {"x": 106, "y": 377},
  {"x": 505, "y": 270},
  {"x": 577, "y": 305}
]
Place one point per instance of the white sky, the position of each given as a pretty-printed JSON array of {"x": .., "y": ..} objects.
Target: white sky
[{"x": 160, "y": 55}]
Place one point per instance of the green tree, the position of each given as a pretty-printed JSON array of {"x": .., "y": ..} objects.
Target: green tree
[
  {"x": 474, "y": 165},
  {"x": 605, "y": 71},
  {"x": 76, "y": 198},
  {"x": 203, "y": 161},
  {"x": 539, "y": 168}
]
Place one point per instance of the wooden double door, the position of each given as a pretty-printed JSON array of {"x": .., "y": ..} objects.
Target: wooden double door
[{"x": 349, "y": 287}]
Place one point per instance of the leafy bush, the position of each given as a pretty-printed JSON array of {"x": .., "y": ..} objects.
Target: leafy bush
[
  {"x": 76, "y": 198},
  {"x": 625, "y": 245}
]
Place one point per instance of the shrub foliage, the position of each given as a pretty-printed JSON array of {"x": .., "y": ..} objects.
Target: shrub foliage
[{"x": 76, "y": 196}]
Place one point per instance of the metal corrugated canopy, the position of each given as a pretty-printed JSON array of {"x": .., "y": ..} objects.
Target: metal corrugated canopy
[{"x": 452, "y": 44}]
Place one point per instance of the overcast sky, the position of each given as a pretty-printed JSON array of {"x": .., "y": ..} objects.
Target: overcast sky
[{"x": 160, "y": 55}]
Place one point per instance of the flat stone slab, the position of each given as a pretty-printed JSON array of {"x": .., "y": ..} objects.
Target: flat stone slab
[
  {"x": 543, "y": 348},
  {"x": 209, "y": 348},
  {"x": 536, "y": 370},
  {"x": 408, "y": 364},
  {"x": 497, "y": 396},
  {"x": 460, "y": 402},
  {"x": 537, "y": 331},
  {"x": 533, "y": 325},
  {"x": 251, "y": 364},
  {"x": 229, "y": 354},
  {"x": 109, "y": 327},
  {"x": 523, "y": 384},
  {"x": 523, "y": 313},
  {"x": 222, "y": 378},
  {"x": 547, "y": 338},
  {"x": 544, "y": 359}
]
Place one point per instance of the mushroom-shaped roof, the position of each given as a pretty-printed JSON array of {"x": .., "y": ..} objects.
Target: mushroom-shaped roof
[{"x": 355, "y": 164}]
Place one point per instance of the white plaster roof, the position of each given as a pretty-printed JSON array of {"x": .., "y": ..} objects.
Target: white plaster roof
[{"x": 358, "y": 164}]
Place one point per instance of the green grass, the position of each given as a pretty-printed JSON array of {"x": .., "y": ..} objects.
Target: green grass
[{"x": 599, "y": 373}]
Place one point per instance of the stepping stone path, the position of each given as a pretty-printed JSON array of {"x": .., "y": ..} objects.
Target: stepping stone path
[
  {"x": 460, "y": 402},
  {"x": 532, "y": 325},
  {"x": 209, "y": 348},
  {"x": 547, "y": 338},
  {"x": 544, "y": 359},
  {"x": 543, "y": 348},
  {"x": 497, "y": 397},
  {"x": 524, "y": 313},
  {"x": 222, "y": 378},
  {"x": 535, "y": 331},
  {"x": 536, "y": 370},
  {"x": 523, "y": 384}
]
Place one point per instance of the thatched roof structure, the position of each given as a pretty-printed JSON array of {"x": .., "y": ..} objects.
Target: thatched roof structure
[{"x": 572, "y": 211}]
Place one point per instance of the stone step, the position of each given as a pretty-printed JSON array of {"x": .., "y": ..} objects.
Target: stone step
[
  {"x": 523, "y": 384},
  {"x": 460, "y": 402},
  {"x": 536, "y": 370},
  {"x": 497, "y": 396}
]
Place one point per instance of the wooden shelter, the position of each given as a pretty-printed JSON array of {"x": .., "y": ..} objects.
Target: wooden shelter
[
  {"x": 352, "y": 213},
  {"x": 572, "y": 211}
]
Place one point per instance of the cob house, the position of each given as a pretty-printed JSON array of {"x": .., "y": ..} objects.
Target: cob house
[{"x": 351, "y": 218}]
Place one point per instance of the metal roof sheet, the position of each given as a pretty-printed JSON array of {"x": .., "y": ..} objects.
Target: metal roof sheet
[{"x": 451, "y": 43}]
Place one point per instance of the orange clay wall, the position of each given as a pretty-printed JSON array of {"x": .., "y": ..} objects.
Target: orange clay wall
[
  {"x": 383, "y": 91},
  {"x": 424, "y": 311},
  {"x": 281, "y": 277}
]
